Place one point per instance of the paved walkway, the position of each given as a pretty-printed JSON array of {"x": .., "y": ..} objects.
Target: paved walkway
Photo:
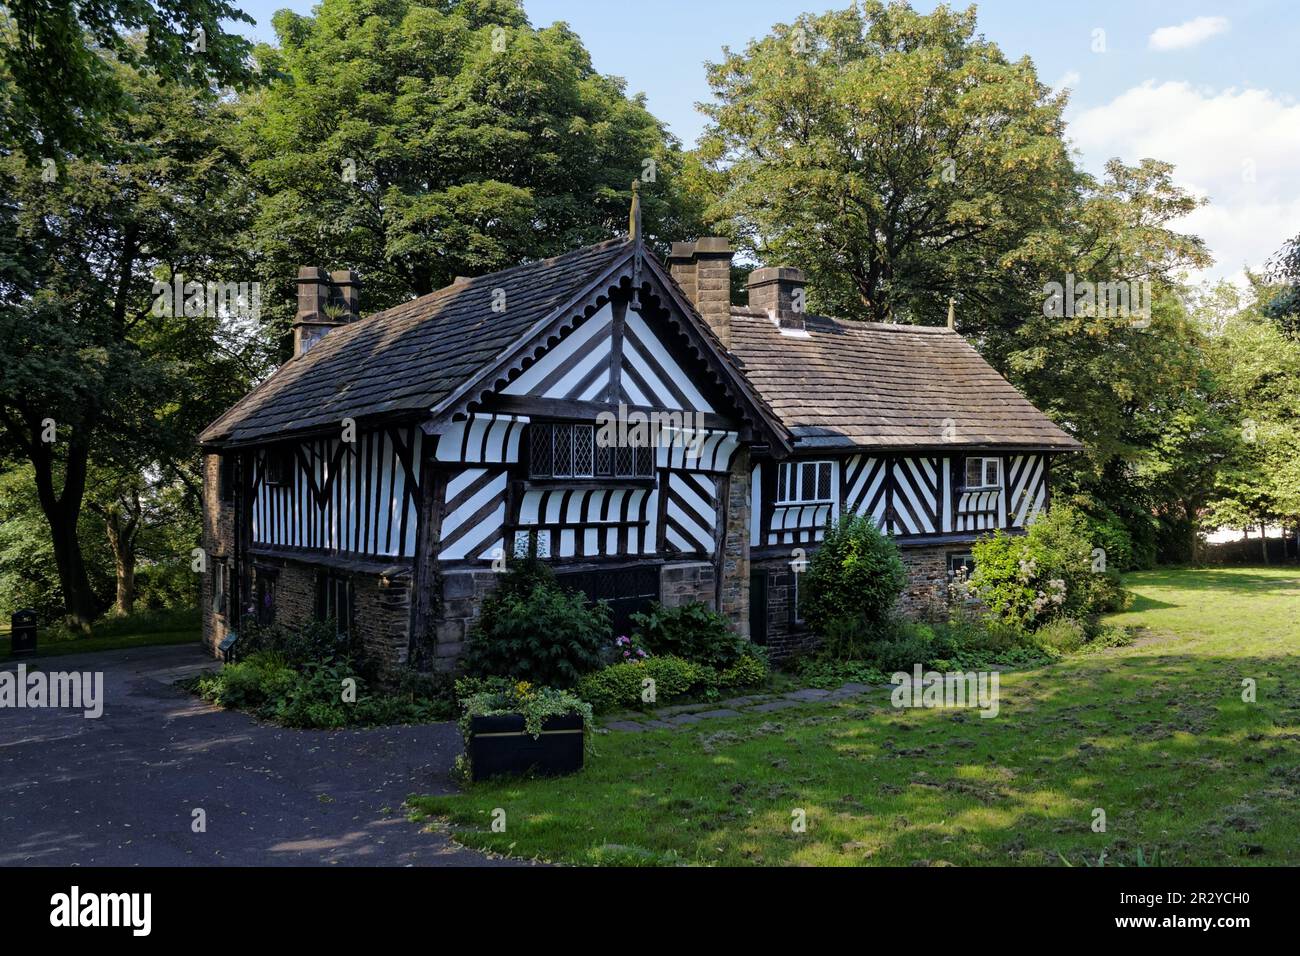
[
  {"x": 683, "y": 715},
  {"x": 122, "y": 789}
]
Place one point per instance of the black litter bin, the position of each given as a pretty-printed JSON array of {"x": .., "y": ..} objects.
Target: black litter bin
[{"x": 23, "y": 635}]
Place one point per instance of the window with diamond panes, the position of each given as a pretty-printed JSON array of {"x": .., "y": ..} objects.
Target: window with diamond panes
[
  {"x": 565, "y": 450},
  {"x": 563, "y": 444},
  {"x": 805, "y": 482}
]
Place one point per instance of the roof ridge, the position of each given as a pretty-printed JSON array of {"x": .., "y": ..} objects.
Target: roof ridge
[{"x": 470, "y": 281}]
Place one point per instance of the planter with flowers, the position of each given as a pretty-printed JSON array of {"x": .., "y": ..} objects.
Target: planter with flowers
[{"x": 520, "y": 728}]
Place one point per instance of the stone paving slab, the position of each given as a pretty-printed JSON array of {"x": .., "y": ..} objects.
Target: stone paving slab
[
  {"x": 720, "y": 712},
  {"x": 773, "y": 705},
  {"x": 808, "y": 693},
  {"x": 629, "y": 725}
]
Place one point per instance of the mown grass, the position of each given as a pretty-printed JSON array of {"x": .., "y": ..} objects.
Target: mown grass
[
  {"x": 144, "y": 629},
  {"x": 1156, "y": 735}
]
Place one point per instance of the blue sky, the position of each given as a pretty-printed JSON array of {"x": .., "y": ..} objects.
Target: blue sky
[{"x": 1211, "y": 87}]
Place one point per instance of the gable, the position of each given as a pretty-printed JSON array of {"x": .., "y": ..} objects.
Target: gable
[{"x": 614, "y": 357}]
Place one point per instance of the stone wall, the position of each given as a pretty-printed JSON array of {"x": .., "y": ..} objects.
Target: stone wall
[
  {"x": 462, "y": 590},
  {"x": 927, "y": 580},
  {"x": 218, "y": 541},
  {"x": 733, "y": 590},
  {"x": 923, "y": 596},
  {"x": 687, "y": 581}
]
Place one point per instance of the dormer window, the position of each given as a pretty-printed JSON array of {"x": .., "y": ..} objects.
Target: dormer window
[{"x": 983, "y": 473}]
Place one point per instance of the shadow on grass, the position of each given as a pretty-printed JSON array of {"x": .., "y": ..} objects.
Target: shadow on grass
[{"x": 1162, "y": 744}]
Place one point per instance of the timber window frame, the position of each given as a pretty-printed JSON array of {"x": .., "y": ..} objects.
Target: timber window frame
[
  {"x": 279, "y": 466},
  {"x": 803, "y": 482},
  {"x": 988, "y": 473},
  {"x": 334, "y": 601},
  {"x": 571, "y": 451},
  {"x": 960, "y": 559}
]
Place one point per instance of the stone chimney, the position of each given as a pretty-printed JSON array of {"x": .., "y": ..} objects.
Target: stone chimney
[
  {"x": 779, "y": 291},
  {"x": 325, "y": 301},
  {"x": 703, "y": 270}
]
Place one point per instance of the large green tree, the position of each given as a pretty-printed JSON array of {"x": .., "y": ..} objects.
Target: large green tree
[
  {"x": 92, "y": 371},
  {"x": 898, "y": 157},
  {"x": 56, "y": 81},
  {"x": 417, "y": 141}
]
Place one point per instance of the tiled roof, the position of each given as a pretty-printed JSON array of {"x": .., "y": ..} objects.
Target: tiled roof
[
  {"x": 412, "y": 356},
  {"x": 890, "y": 386}
]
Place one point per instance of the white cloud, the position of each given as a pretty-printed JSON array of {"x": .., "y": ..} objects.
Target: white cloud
[
  {"x": 1187, "y": 34},
  {"x": 1068, "y": 81},
  {"x": 1237, "y": 147}
]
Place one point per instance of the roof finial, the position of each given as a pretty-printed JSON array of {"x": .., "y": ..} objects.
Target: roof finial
[
  {"x": 634, "y": 236},
  {"x": 952, "y": 314},
  {"x": 634, "y": 214}
]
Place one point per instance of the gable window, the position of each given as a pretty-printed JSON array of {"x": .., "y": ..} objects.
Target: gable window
[
  {"x": 334, "y": 602},
  {"x": 279, "y": 466},
  {"x": 570, "y": 450},
  {"x": 804, "y": 482},
  {"x": 983, "y": 473}
]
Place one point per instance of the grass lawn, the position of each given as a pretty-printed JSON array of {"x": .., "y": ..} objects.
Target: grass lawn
[
  {"x": 140, "y": 630},
  {"x": 1155, "y": 734}
]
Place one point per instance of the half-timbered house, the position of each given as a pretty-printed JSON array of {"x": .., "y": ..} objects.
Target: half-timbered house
[{"x": 614, "y": 415}]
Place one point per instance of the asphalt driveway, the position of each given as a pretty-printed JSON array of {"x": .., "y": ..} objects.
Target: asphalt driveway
[{"x": 121, "y": 790}]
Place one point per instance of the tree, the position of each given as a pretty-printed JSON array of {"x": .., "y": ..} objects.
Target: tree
[
  {"x": 417, "y": 141},
  {"x": 55, "y": 74},
  {"x": 91, "y": 369},
  {"x": 899, "y": 158},
  {"x": 1258, "y": 365},
  {"x": 1284, "y": 271}
]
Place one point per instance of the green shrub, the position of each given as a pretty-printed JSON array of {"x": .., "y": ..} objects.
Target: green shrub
[
  {"x": 856, "y": 572},
  {"x": 257, "y": 680},
  {"x": 620, "y": 685},
  {"x": 317, "y": 642},
  {"x": 1062, "y": 635},
  {"x": 545, "y": 635},
  {"x": 690, "y": 631},
  {"x": 1047, "y": 573},
  {"x": 750, "y": 671}
]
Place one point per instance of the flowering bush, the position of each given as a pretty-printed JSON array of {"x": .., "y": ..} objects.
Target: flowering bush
[
  {"x": 625, "y": 650},
  {"x": 1046, "y": 574}
]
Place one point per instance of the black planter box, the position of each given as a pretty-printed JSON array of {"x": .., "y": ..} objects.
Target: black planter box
[{"x": 500, "y": 745}]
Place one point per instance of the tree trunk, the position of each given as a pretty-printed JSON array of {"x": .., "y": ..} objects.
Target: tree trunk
[
  {"x": 1263, "y": 541},
  {"x": 121, "y": 538},
  {"x": 61, "y": 513}
]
